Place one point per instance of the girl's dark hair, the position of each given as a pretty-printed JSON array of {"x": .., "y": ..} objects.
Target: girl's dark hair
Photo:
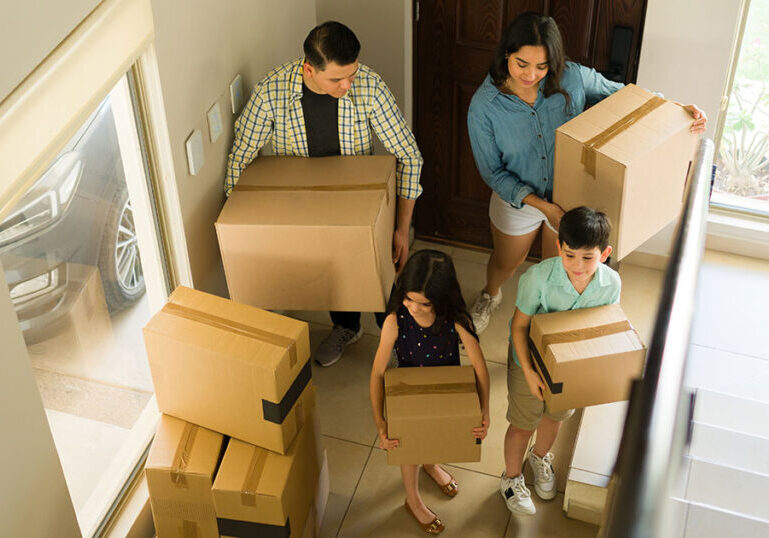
[
  {"x": 584, "y": 227},
  {"x": 331, "y": 42},
  {"x": 535, "y": 30},
  {"x": 432, "y": 273}
]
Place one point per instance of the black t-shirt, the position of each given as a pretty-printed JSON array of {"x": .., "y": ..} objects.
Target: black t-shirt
[{"x": 321, "y": 114}]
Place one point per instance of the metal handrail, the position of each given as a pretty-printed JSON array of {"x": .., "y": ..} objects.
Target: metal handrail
[{"x": 658, "y": 419}]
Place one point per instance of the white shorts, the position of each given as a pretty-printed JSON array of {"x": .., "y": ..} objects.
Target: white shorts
[{"x": 513, "y": 221}]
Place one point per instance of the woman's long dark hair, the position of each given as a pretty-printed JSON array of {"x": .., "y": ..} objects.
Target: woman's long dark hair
[
  {"x": 432, "y": 273},
  {"x": 534, "y": 30}
]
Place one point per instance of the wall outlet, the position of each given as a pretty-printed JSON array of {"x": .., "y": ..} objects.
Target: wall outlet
[
  {"x": 236, "y": 94},
  {"x": 214, "y": 122},
  {"x": 195, "y": 156}
]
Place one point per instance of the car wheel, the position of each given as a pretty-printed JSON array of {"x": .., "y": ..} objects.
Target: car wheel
[{"x": 119, "y": 262}]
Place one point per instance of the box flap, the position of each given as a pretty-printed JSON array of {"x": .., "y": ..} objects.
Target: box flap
[
  {"x": 418, "y": 392},
  {"x": 285, "y": 171},
  {"x": 184, "y": 447},
  {"x": 595, "y": 347}
]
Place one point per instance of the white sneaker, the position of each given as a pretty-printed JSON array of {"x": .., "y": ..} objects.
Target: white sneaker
[
  {"x": 544, "y": 476},
  {"x": 483, "y": 308},
  {"x": 516, "y": 495}
]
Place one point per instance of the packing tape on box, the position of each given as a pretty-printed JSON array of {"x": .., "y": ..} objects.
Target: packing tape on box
[
  {"x": 233, "y": 326},
  {"x": 248, "y": 529},
  {"x": 277, "y": 412},
  {"x": 182, "y": 455},
  {"x": 188, "y": 511},
  {"x": 555, "y": 388},
  {"x": 316, "y": 188},
  {"x": 402, "y": 389},
  {"x": 253, "y": 476},
  {"x": 599, "y": 140},
  {"x": 189, "y": 529}
]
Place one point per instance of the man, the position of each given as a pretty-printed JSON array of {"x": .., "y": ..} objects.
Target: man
[{"x": 327, "y": 104}]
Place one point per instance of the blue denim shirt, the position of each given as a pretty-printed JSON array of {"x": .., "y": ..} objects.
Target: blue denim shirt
[{"x": 514, "y": 143}]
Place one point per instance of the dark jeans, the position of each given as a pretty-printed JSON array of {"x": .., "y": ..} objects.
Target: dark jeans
[{"x": 351, "y": 320}]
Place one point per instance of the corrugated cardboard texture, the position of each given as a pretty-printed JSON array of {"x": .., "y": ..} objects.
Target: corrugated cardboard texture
[
  {"x": 640, "y": 173},
  {"x": 590, "y": 355},
  {"x": 432, "y": 412},
  {"x": 254, "y": 485},
  {"x": 316, "y": 236},
  {"x": 180, "y": 472},
  {"x": 209, "y": 368}
]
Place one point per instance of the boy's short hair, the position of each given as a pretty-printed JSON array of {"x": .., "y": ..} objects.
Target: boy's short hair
[
  {"x": 583, "y": 227},
  {"x": 331, "y": 42}
]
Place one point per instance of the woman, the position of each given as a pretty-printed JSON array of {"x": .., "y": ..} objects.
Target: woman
[{"x": 530, "y": 91}]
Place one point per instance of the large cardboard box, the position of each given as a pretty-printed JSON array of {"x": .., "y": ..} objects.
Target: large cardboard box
[
  {"x": 233, "y": 368},
  {"x": 261, "y": 493},
  {"x": 180, "y": 472},
  {"x": 311, "y": 234},
  {"x": 318, "y": 509},
  {"x": 587, "y": 356},
  {"x": 627, "y": 156},
  {"x": 432, "y": 412}
]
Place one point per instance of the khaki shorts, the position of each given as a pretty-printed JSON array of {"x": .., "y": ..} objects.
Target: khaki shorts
[{"x": 524, "y": 410}]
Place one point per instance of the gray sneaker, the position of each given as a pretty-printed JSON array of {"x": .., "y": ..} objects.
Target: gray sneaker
[
  {"x": 483, "y": 308},
  {"x": 330, "y": 350},
  {"x": 516, "y": 495}
]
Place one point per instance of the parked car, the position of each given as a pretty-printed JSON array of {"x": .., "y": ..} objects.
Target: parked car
[{"x": 77, "y": 214}]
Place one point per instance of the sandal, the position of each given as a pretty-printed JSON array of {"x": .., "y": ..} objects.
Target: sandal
[
  {"x": 435, "y": 527},
  {"x": 451, "y": 488}
]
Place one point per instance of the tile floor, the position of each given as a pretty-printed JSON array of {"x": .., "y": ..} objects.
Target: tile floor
[{"x": 367, "y": 495}]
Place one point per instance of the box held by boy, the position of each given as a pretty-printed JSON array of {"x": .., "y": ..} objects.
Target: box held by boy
[
  {"x": 232, "y": 368},
  {"x": 627, "y": 156},
  {"x": 260, "y": 493},
  {"x": 180, "y": 471},
  {"x": 311, "y": 234},
  {"x": 432, "y": 412},
  {"x": 587, "y": 356}
]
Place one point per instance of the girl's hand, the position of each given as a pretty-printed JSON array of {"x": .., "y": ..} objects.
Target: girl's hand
[
  {"x": 700, "y": 119},
  {"x": 535, "y": 383},
  {"x": 384, "y": 442},
  {"x": 554, "y": 213},
  {"x": 483, "y": 430}
]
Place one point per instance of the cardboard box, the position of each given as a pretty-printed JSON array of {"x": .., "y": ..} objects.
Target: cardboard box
[
  {"x": 233, "y": 368},
  {"x": 627, "y": 156},
  {"x": 318, "y": 509},
  {"x": 180, "y": 472},
  {"x": 586, "y": 357},
  {"x": 261, "y": 493},
  {"x": 311, "y": 234},
  {"x": 432, "y": 412}
]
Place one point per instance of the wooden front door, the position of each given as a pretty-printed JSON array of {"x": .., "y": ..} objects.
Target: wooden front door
[{"x": 455, "y": 42}]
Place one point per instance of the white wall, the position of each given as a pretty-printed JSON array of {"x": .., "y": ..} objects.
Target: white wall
[
  {"x": 201, "y": 46},
  {"x": 30, "y": 30}
]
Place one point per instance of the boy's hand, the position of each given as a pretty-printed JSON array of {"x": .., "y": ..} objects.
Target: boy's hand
[
  {"x": 535, "y": 383},
  {"x": 384, "y": 442},
  {"x": 483, "y": 430}
]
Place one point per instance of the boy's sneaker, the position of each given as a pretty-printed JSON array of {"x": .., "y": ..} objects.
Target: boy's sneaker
[
  {"x": 330, "y": 350},
  {"x": 516, "y": 495},
  {"x": 544, "y": 476},
  {"x": 483, "y": 308}
]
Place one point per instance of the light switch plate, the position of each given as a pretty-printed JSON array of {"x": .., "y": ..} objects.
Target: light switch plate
[
  {"x": 195, "y": 156},
  {"x": 236, "y": 94},
  {"x": 214, "y": 122}
]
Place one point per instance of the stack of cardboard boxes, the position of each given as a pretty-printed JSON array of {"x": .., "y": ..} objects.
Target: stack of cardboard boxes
[{"x": 237, "y": 451}]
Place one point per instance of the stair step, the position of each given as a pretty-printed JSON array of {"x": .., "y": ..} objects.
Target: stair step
[
  {"x": 705, "y": 521},
  {"x": 742, "y": 415},
  {"x": 730, "y": 489},
  {"x": 730, "y": 448}
]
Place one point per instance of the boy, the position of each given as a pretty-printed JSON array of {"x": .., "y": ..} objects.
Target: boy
[{"x": 576, "y": 278}]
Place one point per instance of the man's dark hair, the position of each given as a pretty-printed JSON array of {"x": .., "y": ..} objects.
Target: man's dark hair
[
  {"x": 331, "y": 42},
  {"x": 583, "y": 227}
]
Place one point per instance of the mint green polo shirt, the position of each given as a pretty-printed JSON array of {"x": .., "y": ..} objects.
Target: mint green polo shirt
[{"x": 546, "y": 287}]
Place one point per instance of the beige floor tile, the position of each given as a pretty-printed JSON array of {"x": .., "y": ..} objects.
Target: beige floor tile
[
  {"x": 468, "y": 255},
  {"x": 377, "y": 507},
  {"x": 549, "y": 522},
  {"x": 641, "y": 288},
  {"x": 421, "y": 244},
  {"x": 343, "y": 390},
  {"x": 346, "y": 461}
]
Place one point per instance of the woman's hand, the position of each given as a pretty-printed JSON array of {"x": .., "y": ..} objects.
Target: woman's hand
[
  {"x": 553, "y": 212},
  {"x": 384, "y": 442},
  {"x": 535, "y": 383},
  {"x": 700, "y": 119},
  {"x": 483, "y": 430}
]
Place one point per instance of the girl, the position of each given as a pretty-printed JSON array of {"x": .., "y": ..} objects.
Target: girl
[
  {"x": 530, "y": 91},
  {"x": 426, "y": 310}
]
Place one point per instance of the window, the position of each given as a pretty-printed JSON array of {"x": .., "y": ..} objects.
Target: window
[{"x": 742, "y": 177}]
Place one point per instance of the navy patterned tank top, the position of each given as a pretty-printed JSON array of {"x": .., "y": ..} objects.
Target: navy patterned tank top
[{"x": 419, "y": 346}]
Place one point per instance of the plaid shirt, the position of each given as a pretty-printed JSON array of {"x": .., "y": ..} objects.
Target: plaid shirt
[{"x": 275, "y": 109}]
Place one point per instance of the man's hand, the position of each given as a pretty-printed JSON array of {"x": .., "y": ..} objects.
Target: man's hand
[{"x": 400, "y": 248}]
